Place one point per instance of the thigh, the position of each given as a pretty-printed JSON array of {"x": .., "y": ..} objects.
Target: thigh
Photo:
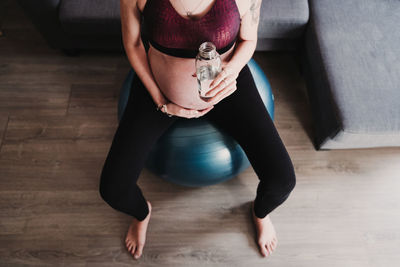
[
  {"x": 244, "y": 116},
  {"x": 138, "y": 130},
  {"x": 243, "y": 111},
  {"x": 141, "y": 124}
]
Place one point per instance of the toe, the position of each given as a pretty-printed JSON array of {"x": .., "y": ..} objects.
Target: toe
[
  {"x": 132, "y": 249},
  {"x": 267, "y": 248},
  {"x": 263, "y": 250},
  {"x": 270, "y": 249},
  {"x": 273, "y": 244},
  {"x": 134, "y": 246},
  {"x": 139, "y": 251}
]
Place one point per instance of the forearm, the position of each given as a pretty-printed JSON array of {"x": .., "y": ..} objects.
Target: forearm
[
  {"x": 243, "y": 52},
  {"x": 139, "y": 61}
]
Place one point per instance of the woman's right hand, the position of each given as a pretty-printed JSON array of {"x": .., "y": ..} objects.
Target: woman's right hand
[{"x": 180, "y": 111}]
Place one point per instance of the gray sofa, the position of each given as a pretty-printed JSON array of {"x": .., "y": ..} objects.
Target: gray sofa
[
  {"x": 74, "y": 25},
  {"x": 349, "y": 50},
  {"x": 352, "y": 68}
]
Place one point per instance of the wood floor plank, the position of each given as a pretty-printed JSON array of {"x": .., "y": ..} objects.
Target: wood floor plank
[
  {"x": 51, "y": 164},
  {"x": 3, "y": 125},
  {"x": 94, "y": 99},
  {"x": 37, "y": 98},
  {"x": 56, "y": 72},
  {"x": 76, "y": 126}
]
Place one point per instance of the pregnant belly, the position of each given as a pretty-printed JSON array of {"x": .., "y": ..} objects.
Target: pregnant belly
[{"x": 174, "y": 78}]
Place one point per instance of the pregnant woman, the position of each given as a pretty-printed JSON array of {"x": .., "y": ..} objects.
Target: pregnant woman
[{"x": 165, "y": 90}]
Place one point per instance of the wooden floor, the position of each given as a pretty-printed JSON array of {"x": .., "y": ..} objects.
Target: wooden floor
[{"x": 58, "y": 115}]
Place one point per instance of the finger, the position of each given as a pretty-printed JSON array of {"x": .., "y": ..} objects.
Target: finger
[
  {"x": 215, "y": 90},
  {"x": 203, "y": 111},
  {"x": 218, "y": 78},
  {"x": 224, "y": 83},
  {"x": 227, "y": 93},
  {"x": 223, "y": 93},
  {"x": 215, "y": 98},
  {"x": 190, "y": 113}
]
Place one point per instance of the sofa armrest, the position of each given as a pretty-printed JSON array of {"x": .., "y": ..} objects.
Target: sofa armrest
[{"x": 44, "y": 15}]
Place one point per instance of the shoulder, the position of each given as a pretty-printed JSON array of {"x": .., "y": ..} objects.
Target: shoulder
[
  {"x": 244, "y": 5},
  {"x": 141, "y": 4},
  {"x": 130, "y": 4}
]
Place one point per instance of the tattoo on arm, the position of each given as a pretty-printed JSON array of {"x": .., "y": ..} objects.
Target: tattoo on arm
[{"x": 255, "y": 15}]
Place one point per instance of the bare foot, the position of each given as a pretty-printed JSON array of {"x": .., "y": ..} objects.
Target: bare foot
[
  {"x": 136, "y": 235},
  {"x": 266, "y": 235}
]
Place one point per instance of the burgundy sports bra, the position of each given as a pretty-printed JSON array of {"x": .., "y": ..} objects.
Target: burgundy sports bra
[{"x": 175, "y": 35}]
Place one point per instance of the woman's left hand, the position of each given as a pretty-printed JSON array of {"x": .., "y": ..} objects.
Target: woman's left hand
[{"x": 223, "y": 85}]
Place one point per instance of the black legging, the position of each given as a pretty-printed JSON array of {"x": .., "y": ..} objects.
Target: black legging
[{"x": 242, "y": 115}]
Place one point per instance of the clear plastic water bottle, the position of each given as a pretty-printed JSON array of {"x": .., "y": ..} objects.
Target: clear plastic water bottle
[{"x": 208, "y": 66}]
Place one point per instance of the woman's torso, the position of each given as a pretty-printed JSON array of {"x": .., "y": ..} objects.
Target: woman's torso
[{"x": 171, "y": 69}]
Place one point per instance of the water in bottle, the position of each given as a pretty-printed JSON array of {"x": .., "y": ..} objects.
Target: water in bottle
[{"x": 208, "y": 66}]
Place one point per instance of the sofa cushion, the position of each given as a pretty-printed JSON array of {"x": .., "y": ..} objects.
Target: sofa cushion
[
  {"x": 281, "y": 19},
  {"x": 90, "y": 17},
  {"x": 352, "y": 59}
]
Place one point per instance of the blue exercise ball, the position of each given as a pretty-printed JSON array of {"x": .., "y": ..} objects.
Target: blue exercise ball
[{"x": 194, "y": 152}]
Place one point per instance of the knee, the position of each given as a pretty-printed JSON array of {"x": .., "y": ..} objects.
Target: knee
[
  {"x": 281, "y": 173},
  {"x": 109, "y": 192},
  {"x": 103, "y": 190},
  {"x": 279, "y": 183},
  {"x": 285, "y": 173},
  {"x": 290, "y": 185},
  {"x": 288, "y": 178},
  {"x": 106, "y": 189},
  {"x": 109, "y": 180},
  {"x": 116, "y": 189}
]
